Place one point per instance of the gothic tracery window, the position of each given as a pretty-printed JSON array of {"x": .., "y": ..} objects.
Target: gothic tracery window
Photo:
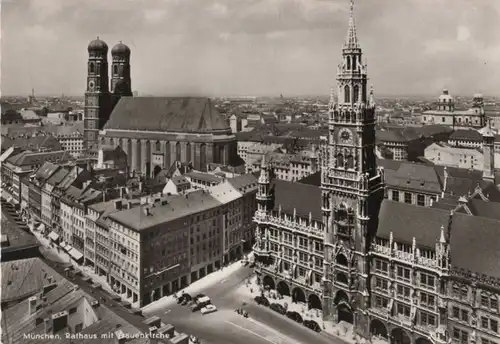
[
  {"x": 355, "y": 96},
  {"x": 348, "y": 60},
  {"x": 350, "y": 161},
  {"x": 340, "y": 160},
  {"x": 91, "y": 68},
  {"x": 115, "y": 70},
  {"x": 347, "y": 94}
]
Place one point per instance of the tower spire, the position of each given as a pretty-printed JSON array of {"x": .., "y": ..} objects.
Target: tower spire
[{"x": 351, "y": 40}]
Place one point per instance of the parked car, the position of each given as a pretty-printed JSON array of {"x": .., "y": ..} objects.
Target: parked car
[
  {"x": 208, "y": 309},
  {"x": 184, "y": 297},
  {"x": 261, "y": 300},
  {"x": 199, "y": 296},
  {"x": 200, "y": 303},
  {"x": 313, "y": 325},
  {"x": 278, "y": 308},
  {"x": 295, "y": 316}
]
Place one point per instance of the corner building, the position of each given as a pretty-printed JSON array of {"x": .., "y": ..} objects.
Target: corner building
[{"x": 410, "y": 274}]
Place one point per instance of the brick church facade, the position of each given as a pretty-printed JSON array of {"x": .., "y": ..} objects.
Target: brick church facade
[{"x": 154, "y": 132}]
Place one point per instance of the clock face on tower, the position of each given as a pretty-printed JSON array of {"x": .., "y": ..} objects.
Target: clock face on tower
[
  {"x": 345, "y": 136},
  {"x": 91, "y": 85}
]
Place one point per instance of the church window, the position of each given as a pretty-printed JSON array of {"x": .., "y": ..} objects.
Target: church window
[
  {"x": 348, "y": 60},
  {"x": 350, "y": 161},
  {"x": 342, "y": 260},
  {"x": 340, "y": 160},
  {"x": 443, "y": 119},
  {"x": 158, "y": 146},
  {"x": 91, "y": 67},
  {"x": 203, "y": 156},
  {"x": 111, "y": 141},
  {"x": 355, "y": 96},
  {"x": 115, "y": 70},
  {"x": 354, "y": 63},
  {"x": 347, "y": 94},
  {"x": 188, "y": 152},
  {"x": 342, "y": 278},
  {"x": 178, "y": 151}
]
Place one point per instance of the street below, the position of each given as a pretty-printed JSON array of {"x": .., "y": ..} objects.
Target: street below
[{"x": 225, "y": 326}]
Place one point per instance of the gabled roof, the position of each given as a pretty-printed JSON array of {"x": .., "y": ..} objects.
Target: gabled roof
[
  {"x": 416, "y": 177},
  {"x": 58, "y": 176},
  {"x": 45, "y": 171},
  {"x": 466, "y": 134},
  {"x": 291, "y": 196},
  {"x": 468, "y": 234},
  {"x": 25, "y": 277},
  {"x": 406, "y": 221},
  {"x": 175, "y": 114},
  {"x": 245, "y": 183},
  {"x": 175, "y": 207},
  {"x": 179, "y": 180},
  {"x": 29, "y": 158},
  {"x": 475, "y": 245},
  {"x": 203, "y": 176}
]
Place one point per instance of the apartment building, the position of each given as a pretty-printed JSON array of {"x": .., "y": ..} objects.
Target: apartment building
[
  {"x": 163, "y": 244},
  {"x": 238, "y": 205}
]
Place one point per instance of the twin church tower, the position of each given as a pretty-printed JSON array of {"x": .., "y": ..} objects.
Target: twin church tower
[{"x": 99, "y": 98}]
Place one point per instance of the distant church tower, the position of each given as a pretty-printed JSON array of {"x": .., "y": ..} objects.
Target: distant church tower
[
  {"x": 97, "y": 100},
  {"x": 352, "y": 189},
  {"x": 121, "y": 83}
]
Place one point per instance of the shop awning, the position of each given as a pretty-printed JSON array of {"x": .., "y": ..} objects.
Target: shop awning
[
  {"x": 62, "y": 245},
  {"x": 77, "y": 255},
  {"x": 53, "y": 236}
]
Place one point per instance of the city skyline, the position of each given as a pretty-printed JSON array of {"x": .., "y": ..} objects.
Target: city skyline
[{"x": 261, "y": 48}]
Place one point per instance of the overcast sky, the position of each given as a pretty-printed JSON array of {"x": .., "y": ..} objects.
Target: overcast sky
[{"x": 253, "y": 47}]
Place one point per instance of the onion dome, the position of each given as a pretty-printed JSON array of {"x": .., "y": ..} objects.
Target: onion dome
[
  {"x": 98, "y": 45},
  {"x": 120, "y": 49}
]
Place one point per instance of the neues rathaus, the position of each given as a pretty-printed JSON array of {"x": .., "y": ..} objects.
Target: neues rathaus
[{"x": 413, "y": 274}]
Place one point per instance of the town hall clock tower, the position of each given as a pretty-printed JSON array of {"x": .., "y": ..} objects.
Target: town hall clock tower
[{"x": 352, "y": 189}]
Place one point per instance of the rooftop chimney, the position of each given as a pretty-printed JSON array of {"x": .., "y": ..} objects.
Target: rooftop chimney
[
  {"x": 118, "y": 205},
  {"x": 59, "y": 321},
  {"x": 32, "y": 303}
]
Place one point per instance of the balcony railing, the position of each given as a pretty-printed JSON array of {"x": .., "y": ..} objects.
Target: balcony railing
[
  {"x": 287, "y": 224},
  {"x": 405, "y": 256}
]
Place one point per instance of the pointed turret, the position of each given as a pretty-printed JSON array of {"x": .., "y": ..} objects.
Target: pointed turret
[
  {"x": 264, "y": 195},
  {"x": 351, "y": 41},
  {"x": 371, "y": 100}
]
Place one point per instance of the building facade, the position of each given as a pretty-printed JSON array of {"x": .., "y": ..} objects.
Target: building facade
[
  {"x": 446, "y": 114},
  {"x": 412, "y": 273}
]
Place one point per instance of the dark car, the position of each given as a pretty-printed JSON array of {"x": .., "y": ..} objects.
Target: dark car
[
  {"x": 313, "y": 325},
  {"x": 278, "y": 308},
  {"x": 184, "y": 299},
  {"x": 261, "y": 300},
  {"x": 295, "y": 316}
]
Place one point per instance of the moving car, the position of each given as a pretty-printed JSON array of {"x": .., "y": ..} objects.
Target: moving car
[
  {"x": 208, "y": 309},
  {"x": 200, "y": 303}
]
